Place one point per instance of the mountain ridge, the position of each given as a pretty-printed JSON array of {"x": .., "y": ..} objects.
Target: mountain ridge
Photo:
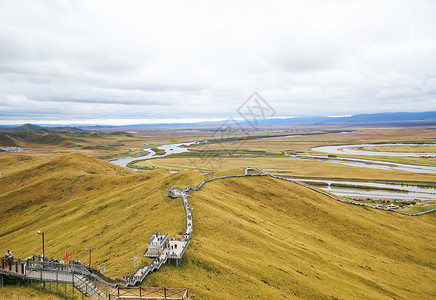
[
  {"x": 41, "y": 129},
  {"x": 387, "y": 118}
]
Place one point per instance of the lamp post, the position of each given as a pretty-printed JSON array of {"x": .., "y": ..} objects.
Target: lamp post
[
  {"x": 43, "y": 253},
  {"x": 89, "y": 250}
]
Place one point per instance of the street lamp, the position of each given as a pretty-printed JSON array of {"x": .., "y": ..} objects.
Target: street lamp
[
  {"x": 43, "y": 253},
  {"x": 89, "y": 250}
]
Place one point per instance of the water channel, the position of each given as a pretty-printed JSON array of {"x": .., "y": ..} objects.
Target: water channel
[
  {"x": 169, "y": 149},
  {"x": 376, "y": 190},
  {"x": 403, "y": 192}
]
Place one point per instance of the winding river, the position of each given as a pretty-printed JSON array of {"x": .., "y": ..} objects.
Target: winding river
[
  {"x": 379, "y": 191},
  {"x": 169, "y": 149},
  {"x": 372, "y": 164},
  {"x": 409, "y": 192}
]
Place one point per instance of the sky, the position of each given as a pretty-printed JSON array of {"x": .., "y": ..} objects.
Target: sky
[{"x": 130, "y": 62}]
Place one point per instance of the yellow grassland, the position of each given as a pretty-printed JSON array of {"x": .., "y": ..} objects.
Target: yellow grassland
[
  {"x": 254, "y": 238},
  {"x": 420, "y": 149},
  {"x": 15, "y": 292},
  {"x": 291, "y": 167}
]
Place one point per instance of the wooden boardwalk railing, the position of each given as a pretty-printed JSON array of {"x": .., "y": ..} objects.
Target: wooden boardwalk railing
[
  {"x": 12, "y": 267},
  {"x": 149, "y": 293}
]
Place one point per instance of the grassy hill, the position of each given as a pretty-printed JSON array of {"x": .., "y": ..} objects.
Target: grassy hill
[{"x": 254, "y": 238}]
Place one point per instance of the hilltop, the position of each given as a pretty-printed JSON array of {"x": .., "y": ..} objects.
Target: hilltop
[
  {"x": 254, "y": 237},
  {"x": 41, "y": 129},
  {"x": 34, "y": 134}
]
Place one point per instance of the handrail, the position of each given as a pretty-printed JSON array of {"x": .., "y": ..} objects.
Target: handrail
[
  {"x": 12, "y": 266},
  {"x": 150, "y": 293},
  {"x": 68, "y": 268}
]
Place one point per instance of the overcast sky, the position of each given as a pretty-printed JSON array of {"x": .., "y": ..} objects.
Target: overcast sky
[{"x": 147, "y": 61}]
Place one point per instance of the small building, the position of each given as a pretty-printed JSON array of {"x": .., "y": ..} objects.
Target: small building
[{"x": 156, "y": 245}]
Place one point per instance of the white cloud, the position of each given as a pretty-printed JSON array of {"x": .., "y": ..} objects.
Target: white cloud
[
  {"x": 430, "y": 86},
  {"x": 154, "y": 60}
]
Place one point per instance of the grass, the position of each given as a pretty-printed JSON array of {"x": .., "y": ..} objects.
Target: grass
[
  {"x": 158, "y": 151},
  {"x": 283, "y": 241},
  {"x": 253, "y": 237},
  {"x": 419, "y": 149},
  {"x": 419, "y": 208},
  {"x": 289, "y": 166},
  {"x": 80, "y": 202},
  {"x": 32, "y": 291}
]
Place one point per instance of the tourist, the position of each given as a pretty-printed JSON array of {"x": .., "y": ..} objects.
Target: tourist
[{"x": 9, "y": 255}]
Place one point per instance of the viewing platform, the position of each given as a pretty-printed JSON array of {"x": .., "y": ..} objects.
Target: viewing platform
[{"x": 157, "y": 244}]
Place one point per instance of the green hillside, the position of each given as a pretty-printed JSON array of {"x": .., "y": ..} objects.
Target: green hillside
[{"x": 254, "y": 238}]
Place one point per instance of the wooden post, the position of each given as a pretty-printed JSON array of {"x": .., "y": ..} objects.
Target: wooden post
[
  {"x": 72, "y": 283},
  {"x": 165, "y": 292},
  {"x": 140, "y": 292}
]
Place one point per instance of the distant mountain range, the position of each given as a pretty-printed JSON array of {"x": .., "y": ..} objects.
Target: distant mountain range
[
  {"x": 398, "y": 118},
  {"x": 360, "y": 119}
]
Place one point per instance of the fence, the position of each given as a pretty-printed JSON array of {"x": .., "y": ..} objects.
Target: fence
[
  {"x": 12, "y": 266},
  {"x": 51, "y": 271},
  {"x": 149, "y": 293}
]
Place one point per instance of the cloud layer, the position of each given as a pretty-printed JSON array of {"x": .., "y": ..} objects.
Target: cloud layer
[{"x": 130, "y": 60}]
